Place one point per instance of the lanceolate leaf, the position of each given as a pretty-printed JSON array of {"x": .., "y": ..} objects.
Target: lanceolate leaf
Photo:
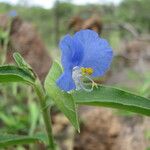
[
  {"x": 10, "y": 73},
  {"x": 10, "y": 140},
  {"x": 63, "y": 100},
  {"x": 23, "y": 64},
  {"x": 19, "y": 60},
  {"x": 115, "y": 98}
]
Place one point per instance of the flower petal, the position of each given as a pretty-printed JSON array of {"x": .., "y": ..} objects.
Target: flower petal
[
  {"x": 84, "y": 49},
  {"x": 65, "y": 81},
  {"x": 72, "y": 52},
  {"x": 97, "y": 52},
  {"x": 86, "y": 36},
  {"x": 66, "y": 51}
]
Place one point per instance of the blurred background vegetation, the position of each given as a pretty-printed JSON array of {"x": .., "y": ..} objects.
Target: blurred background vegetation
[{"x": 50, "y": 21}]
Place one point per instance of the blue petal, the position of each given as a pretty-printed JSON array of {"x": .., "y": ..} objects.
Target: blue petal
[
  {"x": 86, "y": 36},
  {"x": 72, "y": 55},
  {"x": 66, "y": 51},
  {"x": 72, "y": 52},
  {"x": 65, "y": 81},
  {"x": 97, "y": 52}
]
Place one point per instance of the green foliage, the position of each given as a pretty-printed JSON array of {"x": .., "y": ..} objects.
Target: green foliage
[
  {"x": 62, "y": 9},
  {"x": 20, "y": 61},
  {"x": 145, "y": 86},
  {"x": 34, "y": 116},
  {"x": 22, "y": 64},
  {"x": 10, "y": 73},
  {"x": 63, "y": 100},
  {"x": 3, "y": 34},
  {"x": 24, "y": 73},
  {"x": 135, "y": 12},
  {"x": 13, "y": 123},
  {"x": 4, "y": 40},
  {"x": 10, "y": 140},
  {"x": 115, "y": 98},
  {"x": 126, "y": 12},
  {"x": 14, "y": 108}
]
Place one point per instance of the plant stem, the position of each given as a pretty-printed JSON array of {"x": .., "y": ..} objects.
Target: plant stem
[
  {"x": 46, "y": 114},
  {"x": 6, "y": 41}
]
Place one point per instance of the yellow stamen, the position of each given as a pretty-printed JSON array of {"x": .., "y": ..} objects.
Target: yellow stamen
[
  {"x": 83, "y": 71},
  {"x": 88, "y": 71}
]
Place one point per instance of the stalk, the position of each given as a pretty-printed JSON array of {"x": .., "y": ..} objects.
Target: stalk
[{"x": 45, "y": 113}]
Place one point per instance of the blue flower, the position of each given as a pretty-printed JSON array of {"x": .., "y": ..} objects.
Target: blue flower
[
  {"x": 12, "y": 13},
  {"x": 83, "y": 55}
]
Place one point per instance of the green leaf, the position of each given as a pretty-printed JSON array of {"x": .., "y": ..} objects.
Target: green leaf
[
  {"x": 34, "y": 116},
  {"x": 10, "y": 140},
  {"x": 20, "y": 60},
  {"x": 10, "y": 73},
  {"x": 115, "y": 98},
  {"x": 23, "y": 64},
  {"x": 63, "y": 100}
]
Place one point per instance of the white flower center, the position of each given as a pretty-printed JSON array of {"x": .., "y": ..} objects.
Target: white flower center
[{"x": 78, "y": 76}]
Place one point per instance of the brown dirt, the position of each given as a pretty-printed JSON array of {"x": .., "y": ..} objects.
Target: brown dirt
[
  {"x": 94, "y": 22},
  {"x": 103, "y": 130},
  {"x": 99, "y": 130},
  {"x": 25, "y": 39}
]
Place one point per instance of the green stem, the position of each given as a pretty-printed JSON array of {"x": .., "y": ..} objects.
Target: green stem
[
  {"x": 6, "y": 41},
  {"x": 46, "y": 114}
]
